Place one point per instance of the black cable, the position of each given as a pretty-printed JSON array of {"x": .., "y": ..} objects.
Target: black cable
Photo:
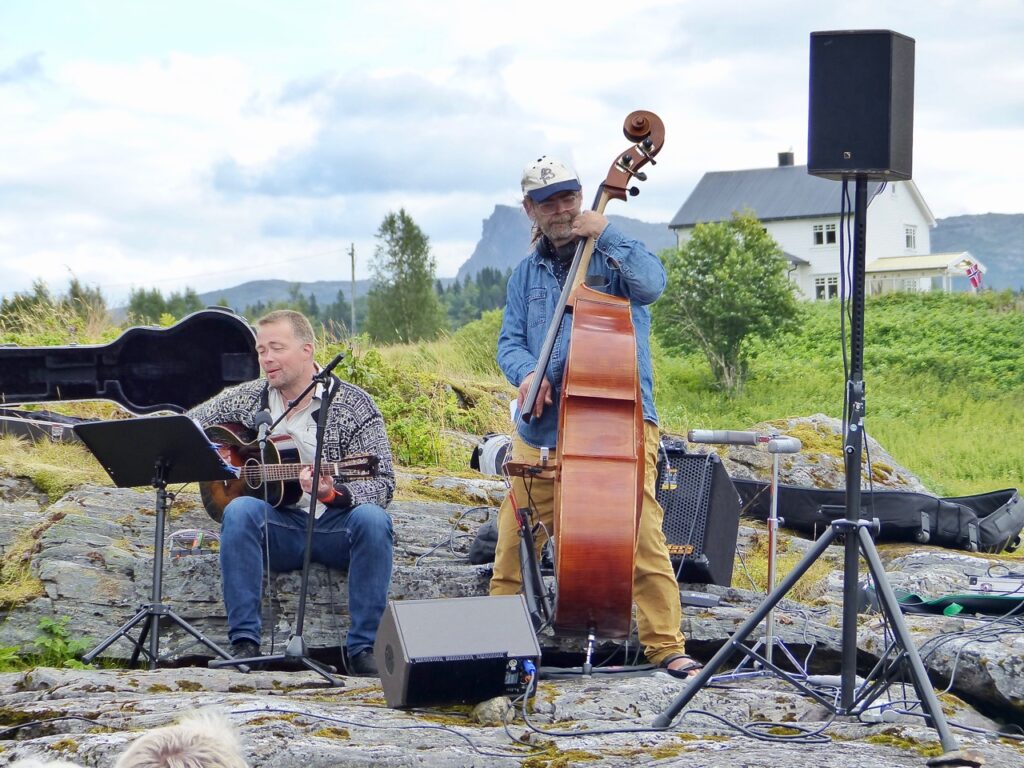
[
  {"x": 805, "y": 736},
  {"x": 454, "y": 536}
]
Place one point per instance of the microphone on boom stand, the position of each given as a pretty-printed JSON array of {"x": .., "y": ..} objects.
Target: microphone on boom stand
[{"x": 761, "y": 441}]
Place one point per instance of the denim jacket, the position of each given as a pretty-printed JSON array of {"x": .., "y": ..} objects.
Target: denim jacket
[{"x": 631, "y": 271}]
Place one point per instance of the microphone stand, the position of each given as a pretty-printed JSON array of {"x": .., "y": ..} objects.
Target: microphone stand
[
  {"x": 296, "y": 651},
  {"x": 773, "y": 443}
]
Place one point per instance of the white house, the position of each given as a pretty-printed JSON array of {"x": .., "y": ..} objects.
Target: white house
[{"x": 801, "y": 212}]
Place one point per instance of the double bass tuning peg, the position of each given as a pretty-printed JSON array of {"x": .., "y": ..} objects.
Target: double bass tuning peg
[{"x": 634, "y": 191}]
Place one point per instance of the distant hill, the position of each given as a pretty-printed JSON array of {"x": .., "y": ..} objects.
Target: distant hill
[
  {"x": 326, "y": 291},
  {"x": 996, "y": 239},
  {"x": 506, "y": 239}
]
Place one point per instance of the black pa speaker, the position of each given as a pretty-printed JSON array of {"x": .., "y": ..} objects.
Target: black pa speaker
[
  {"x": 861, "y": 116},
  {"x": 702, "y": 515},
  {"x": 455, "y": 650}
]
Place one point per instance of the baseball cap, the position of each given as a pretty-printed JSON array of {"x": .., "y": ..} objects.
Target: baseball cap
[{"x": 546, "y": 176}]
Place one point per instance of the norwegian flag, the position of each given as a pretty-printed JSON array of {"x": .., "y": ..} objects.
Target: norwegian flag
[{"x": 974, "y": 275}]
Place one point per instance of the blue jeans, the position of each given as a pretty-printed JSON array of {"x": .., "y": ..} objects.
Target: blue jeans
[{"x": 359, "y": 539}]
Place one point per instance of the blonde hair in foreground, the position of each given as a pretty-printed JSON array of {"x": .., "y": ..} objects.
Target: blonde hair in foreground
[{"x": 203, "y": 739}]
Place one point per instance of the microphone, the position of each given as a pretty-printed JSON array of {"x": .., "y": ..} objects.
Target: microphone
[
  {"x": 326, "y": 370},
  {"x": 725, "y": 437},
  {"x": 762, "y": 442},
  {"x": 262, "y": 422}
]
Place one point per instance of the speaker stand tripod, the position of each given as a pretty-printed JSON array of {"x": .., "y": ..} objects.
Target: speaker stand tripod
[
  {"x": 174, "y": 449},
  {"x": 856, "y": 534}
]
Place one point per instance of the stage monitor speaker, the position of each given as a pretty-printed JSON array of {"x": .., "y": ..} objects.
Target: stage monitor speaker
[
  {"x": 702, "y": 515},
  {"x": 455, "y": 650},
  {"x": 861, "y": 116}
]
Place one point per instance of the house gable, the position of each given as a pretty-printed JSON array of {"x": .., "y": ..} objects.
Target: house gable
[
  {"x": 786, "y": 192},
  {"x": 802, "y": 214}
]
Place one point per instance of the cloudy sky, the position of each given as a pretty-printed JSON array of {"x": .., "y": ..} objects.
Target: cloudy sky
[{"x": 204, "y": 144}]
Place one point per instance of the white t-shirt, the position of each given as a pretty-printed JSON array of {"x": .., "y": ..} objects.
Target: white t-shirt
[{"x": 298, "y": 431}]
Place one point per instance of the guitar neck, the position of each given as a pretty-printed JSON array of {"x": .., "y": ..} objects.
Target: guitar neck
[{"x": 281, "y": 472}]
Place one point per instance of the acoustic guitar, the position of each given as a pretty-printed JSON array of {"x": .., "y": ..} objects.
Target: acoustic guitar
[{"x": 278, "y": 471}]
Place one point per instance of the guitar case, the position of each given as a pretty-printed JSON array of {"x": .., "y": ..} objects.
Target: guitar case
[
  {"x": 145, "y": 370},
  {"x": 987, "y": 522}
]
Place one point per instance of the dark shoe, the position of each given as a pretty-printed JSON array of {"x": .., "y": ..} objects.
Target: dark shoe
[
  {"x": 245, "y": 649},
  {"x": 363, "y": 664},
  {"x": 689, "y": 668}
]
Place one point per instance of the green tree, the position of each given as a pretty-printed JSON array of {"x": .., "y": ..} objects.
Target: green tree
[
  {"x": 148, "y": 306},
  {"x": 337, "y": 316},
  {"x": 86, "y": 301},
  {"x": 726, "y": 285},
  {"x": 403, "y": 305},
  {"x": 466, "y": 301}
]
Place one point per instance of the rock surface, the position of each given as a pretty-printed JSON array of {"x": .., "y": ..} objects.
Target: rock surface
[{"x": 93, "y": 554}]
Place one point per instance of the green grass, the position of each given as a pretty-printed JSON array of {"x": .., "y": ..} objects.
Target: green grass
[{"x": 944, "y": 383}]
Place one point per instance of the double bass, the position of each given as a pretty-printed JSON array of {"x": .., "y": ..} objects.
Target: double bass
[{"x": 599, "y": 477}]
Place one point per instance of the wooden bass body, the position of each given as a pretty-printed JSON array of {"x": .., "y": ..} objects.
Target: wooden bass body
[{"x": 600, "y": 482}]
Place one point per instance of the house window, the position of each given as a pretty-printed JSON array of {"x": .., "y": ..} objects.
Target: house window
[
  {"x": 910, "y": 233},
  {"x": 910, "y": 285},
  {"x": 824, "y": 234},
  {"x": 826, "y": 287}
]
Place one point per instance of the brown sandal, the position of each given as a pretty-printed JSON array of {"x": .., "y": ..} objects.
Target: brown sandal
[{"x": 684, "y": 672}]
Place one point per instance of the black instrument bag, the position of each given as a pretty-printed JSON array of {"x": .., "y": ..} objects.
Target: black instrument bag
[{"x": 987, "y": 522}]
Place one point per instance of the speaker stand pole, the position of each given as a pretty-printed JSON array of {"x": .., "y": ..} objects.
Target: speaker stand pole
[{"x": 857, "y": 540}]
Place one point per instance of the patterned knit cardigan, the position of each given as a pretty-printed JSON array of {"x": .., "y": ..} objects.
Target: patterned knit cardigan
[{"x": 354, "y": 425}]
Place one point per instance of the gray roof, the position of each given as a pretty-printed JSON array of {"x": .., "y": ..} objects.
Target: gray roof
[{"x": 785, "y": 192}]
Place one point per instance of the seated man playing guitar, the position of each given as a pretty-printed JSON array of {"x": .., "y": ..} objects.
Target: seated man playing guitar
[{"x": 352, "y": 530}]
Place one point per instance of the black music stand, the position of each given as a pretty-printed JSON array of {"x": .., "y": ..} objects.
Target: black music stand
[{"x": 154, "y": 450}]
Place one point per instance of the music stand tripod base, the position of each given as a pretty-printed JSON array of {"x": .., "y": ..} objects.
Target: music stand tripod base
[{"x": 155, "y": 451}]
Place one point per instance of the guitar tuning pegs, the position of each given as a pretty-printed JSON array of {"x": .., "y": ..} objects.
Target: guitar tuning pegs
[
  {"x": 640, "y": 176},
  {"x": 626, "y": 160},
  {"x": 634, "y": 191}
]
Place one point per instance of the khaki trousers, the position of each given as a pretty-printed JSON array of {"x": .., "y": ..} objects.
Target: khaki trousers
[{"x": 655, "y": 590}]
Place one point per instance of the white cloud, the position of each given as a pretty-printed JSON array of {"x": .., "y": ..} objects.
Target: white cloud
[{"x": 164, "y": 151}]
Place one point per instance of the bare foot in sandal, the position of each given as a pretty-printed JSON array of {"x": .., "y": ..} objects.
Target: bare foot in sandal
[{"x": 681, "y": 666}]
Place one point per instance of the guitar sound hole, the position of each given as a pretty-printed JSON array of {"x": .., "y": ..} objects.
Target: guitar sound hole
[{"x": 252, "y": 474}]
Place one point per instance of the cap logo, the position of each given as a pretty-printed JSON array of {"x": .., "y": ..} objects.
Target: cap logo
[{"x": 546, "y": 175}]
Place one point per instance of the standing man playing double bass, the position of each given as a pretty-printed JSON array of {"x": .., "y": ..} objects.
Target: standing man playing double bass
[{"x": 552, "y": 196}]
